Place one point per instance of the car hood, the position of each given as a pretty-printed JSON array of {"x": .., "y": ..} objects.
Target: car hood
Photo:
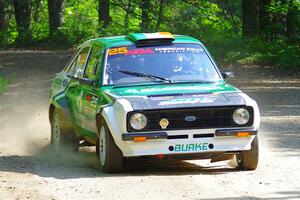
[{"x": 168, "y": 96}]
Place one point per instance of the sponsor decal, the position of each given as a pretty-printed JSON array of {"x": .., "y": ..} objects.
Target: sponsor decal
[
  {"x": 65, "y": 82},
  {"x": 91, "y": 98},
  {"x": 161, "y": 98},
  {"x": 94, "y": 101},
  {"x": 79, "y": 105},
  {"x": 125, "y": 51},
  {"x": 178, "y": 50},
  {"x": 88, "y": 97},
  {"x": 115, "y": 51},
  {"x": 186, "y": 88},
  {"x": 140, "y": 51},
  {"x": 191, "y": 147},
  {"x": 193, "y": 100}
]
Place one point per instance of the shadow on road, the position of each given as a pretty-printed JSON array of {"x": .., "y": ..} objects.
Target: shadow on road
[{"x": 84, "y": 164}]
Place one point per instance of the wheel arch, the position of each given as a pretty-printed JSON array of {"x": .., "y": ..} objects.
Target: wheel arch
[
  {"x": 99, "y": 119},
  {"x": 66, "y": 123},
  {"x": 106, "y": 114},
  {"x": 51, "y": 110}
]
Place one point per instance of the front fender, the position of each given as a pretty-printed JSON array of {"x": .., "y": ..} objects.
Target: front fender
[
  {"x": 250, "y": 102},
  {"x": 115, "y": 118}
]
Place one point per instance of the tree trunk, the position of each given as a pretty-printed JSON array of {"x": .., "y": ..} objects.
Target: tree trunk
[
  {"x": 22, "y": 14},
  {"x": 160, "y": 14},
  {"x": 56, "y": 9},
  {"x": 291, "y": 20},
  {"x": 4, "y": 14},
  {"x": 104, "y": 17},
  {"x": 128, "y": 11},
  {"x": 264, "y": 18},
  {"x": 146, "y": 21},
  {"x": 232, "y": 18},
  {"x": 250, "y": 19}
]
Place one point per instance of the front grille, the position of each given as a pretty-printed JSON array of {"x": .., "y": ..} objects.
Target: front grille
[
  {"x": 203, "y": 135},
  {"x": 170, "y": 137},
  {"x": 206, "y": 117}
]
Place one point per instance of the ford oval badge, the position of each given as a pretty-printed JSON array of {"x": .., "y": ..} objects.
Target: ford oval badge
[{"x": 190, "y": 118}]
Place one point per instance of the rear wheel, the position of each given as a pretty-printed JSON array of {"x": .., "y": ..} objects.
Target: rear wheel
[
  {"x": 248, "y": 160},
  {"x": 60, "y": 138},
  {"x": 110, "y": 156}
]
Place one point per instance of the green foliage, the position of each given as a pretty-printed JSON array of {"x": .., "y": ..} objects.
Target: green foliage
[
  {"x": 9, "y": 36},
  {"x": 260, "y": 52},
  {"x": 205, "y": 22},
  {"x": 81, "y": 22},
  {"x": 39, "y": 22},
  {"x": 218, "y": 25}
]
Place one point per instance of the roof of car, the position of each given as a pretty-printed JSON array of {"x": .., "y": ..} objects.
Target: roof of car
[{"x": 126, "y": 40}]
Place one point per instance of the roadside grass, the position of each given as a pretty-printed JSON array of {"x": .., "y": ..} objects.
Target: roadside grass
[
  {"x": 239, "y": 51},
  {"x": 3, "y": 84}
]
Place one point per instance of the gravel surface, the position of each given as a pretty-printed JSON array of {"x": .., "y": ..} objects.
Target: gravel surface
[{"x": 29, "y": 170}]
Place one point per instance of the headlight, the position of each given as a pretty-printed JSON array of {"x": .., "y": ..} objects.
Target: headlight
[
  {"x": 241, "y": 116},
  {"x": 138, "y": 121}
]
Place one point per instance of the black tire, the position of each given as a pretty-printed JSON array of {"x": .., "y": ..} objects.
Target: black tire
[
  {"x": 67, "y": 139},
  {"x": 113, "y": 157},
  {"x": 248, "y": 160}
]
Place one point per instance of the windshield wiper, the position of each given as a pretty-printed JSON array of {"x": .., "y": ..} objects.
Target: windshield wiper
[
  {"x": 138, "y": 74},
  {"x": 193, "y": 81}
]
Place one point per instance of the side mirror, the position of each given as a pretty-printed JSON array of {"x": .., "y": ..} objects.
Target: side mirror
[
  {"x": 86, "y": 81},
  {"x": 227, "y": 74}
]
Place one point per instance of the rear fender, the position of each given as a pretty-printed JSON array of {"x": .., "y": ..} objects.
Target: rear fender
[{"x": 65, "y": 115}]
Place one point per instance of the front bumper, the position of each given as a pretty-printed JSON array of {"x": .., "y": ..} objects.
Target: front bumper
[{"x": 186, "y": 142}]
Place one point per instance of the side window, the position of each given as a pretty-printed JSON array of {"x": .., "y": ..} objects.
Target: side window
[
  {"x": 77, "y": 67},
  {"x": 66, "y": 68},
  {"x": 93, "y": 63}
]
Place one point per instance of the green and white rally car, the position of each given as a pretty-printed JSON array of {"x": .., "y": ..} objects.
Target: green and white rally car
[{"x": 153, "y": 95}]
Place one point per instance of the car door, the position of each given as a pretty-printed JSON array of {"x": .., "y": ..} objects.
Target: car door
[
  {"x": 90, "y": 91},
  {"x": 73, "y": 92}
]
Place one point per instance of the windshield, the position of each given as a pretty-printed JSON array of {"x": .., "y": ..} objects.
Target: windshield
[{"x": 177, "y": 62}]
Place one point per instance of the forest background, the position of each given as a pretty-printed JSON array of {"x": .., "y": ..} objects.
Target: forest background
[{"x": 244, "y": 32}]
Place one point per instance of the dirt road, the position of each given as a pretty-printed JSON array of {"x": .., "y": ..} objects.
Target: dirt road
[{"x": 28, "y": 169}]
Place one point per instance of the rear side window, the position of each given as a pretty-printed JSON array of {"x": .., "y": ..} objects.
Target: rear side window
[
  {"x": 93, "y": 63},
  {"x": 77, "y": 67}
]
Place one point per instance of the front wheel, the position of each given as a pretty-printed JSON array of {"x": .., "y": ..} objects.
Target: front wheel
[
  {"x": 110, "y": 156},
  {"x": 248, "y": 160}
]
